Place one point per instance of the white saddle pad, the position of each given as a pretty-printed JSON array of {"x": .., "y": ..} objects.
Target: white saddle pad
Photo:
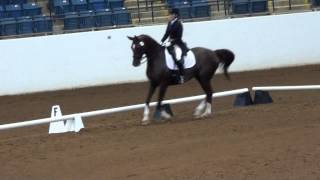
[{"x": 189, "y": 60}]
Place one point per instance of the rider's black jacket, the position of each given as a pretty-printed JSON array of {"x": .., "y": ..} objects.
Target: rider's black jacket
[{"x": 174, "y": 31}]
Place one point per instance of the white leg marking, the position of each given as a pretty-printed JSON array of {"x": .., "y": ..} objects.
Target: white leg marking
[
  {"x": 146, "y": 113},
  {"x": 165, "y": 115},
  {"x": 207, "y": 112},
  {"x": 200, "y": 108}
]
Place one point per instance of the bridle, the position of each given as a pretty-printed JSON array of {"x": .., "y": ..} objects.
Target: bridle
[{"x": 143, "y": 58}]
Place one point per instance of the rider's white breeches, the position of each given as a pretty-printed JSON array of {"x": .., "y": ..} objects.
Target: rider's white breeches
[{"x": 178, "y": 52}]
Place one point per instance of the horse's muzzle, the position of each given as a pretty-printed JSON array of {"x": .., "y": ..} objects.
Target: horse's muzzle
[{"x": 136, "y": 61}]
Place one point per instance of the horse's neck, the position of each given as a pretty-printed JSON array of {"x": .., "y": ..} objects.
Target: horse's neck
[
  {"x": 156, "y": 63},
  {"x": 154, "y": 56}
]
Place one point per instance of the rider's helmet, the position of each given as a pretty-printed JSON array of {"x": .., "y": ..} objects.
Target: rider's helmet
[{"x": 175, "y": 12}]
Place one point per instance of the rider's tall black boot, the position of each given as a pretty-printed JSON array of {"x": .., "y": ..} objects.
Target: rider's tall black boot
[{"x": 181, "y": 70}]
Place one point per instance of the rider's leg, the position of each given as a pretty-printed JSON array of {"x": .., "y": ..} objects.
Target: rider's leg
[
  {"x": 180, "y": 62},
  {"x": 180, "y": 66},
  {"x": 181, "y": 70},
  {"x": 177, "y": 62},
  {"x": 183, "y": 47}
]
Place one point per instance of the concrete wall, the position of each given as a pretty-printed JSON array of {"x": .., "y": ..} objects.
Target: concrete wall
[{"x": 91, "y": 58}]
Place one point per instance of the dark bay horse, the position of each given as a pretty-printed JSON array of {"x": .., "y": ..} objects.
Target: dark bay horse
[{"x": 207, "y": 62}]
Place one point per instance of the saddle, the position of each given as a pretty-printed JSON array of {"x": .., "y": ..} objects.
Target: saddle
[{"x": 188, "y": 61}]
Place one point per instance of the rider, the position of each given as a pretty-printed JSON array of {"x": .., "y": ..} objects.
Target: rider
[{"x": 174, "y": 32}]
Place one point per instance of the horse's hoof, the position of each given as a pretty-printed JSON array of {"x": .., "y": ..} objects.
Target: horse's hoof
[
  {"x": 202, "y": 116},
  {"x": 161, "y": 121},
  {"x": 196, "y": 115},
  {"x": 145, "y": 123},
  {"x": 165, "y": 115}
]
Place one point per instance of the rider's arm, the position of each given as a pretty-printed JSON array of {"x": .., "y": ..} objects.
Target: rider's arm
[
  {"x": 166, "y": 35},
  {"x": 179, "y": 30}
]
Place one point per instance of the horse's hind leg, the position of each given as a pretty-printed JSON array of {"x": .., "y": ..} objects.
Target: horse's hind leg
[
  {"x": 200, "y": 108},
  {"x": 204, "y": 108}
]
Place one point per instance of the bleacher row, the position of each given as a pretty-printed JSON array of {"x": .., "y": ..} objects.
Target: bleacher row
[
  {"x": 191, "y": 8},
  {"x": 79, "y": 14},
  {"x": 22, "y": 17},
  {"x": 25, "y": 25},
  {"x": 98, "y": 18},
  {"x": 201, "y": 8},
  {"x": 8, "y": 2},
  {"x": 60, "y": 7},
  {"x": 249, "y": 6},
  {"x": 18, "y": 10}
]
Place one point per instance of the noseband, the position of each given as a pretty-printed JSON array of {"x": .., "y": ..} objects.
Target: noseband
[{"x": 144, "y": 59}]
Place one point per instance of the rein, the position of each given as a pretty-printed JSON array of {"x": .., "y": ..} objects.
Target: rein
[{"x": 144, "y": 59}]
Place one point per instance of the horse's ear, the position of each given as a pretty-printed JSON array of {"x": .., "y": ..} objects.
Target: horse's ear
[{"x": 131, "y": 38}]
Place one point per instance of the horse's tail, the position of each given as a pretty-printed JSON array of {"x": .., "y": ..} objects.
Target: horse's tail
[{"x": 226, "y": 58}]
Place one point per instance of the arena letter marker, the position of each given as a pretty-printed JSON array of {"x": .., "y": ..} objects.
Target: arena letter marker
[{"x": 58, "y": 126}]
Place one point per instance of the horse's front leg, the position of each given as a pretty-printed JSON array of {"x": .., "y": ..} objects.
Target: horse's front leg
[
  {"x": 146, "y": 112},
  {"x": 160, "y": 112}
]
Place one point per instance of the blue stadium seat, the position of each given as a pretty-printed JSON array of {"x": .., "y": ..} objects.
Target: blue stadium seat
[
  {"x": 86, "y": 19},
  {"x": 42, "y": 24},
  {"x": 8, "y": 26},
  {"x": 316, "y": 2},
  {"x": 25, "y": 25},
  {"x": 201, "y": 9},
  {"x": 240, "y": 6},
  {"x": 2, "y": 12},
  {"x": 169, "y": 2},
  {"x": 61, "y": 6},
  {"x": 174, "y": 3},
  {"x": 198, "y": 1},
  {"x": 79, "y": 5},
  {"x": 31, "y": 9},
  {"x": 71, "y": 21},
  {"x": 4, "y": 2},
  {"x": 121, "y": 16},
  {"x": 113, "y": 4},
  {"x": 177, "y": 3},
  {"x": 104, "y": 18},
  {"x": 17, "y": 1},
  {"x": 184, "y": 9},
  {"x": 259, "y": 6},
  {"x": 14, "y": 10},
  {"x": 97, "y": 4}
]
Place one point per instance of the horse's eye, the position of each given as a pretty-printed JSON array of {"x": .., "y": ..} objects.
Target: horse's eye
[{"x": 133, "y": 46}]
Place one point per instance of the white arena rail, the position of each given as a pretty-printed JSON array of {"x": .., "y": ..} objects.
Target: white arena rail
[
  {"x": 285, "y": 88},
  {"x": 118, "y": 109},
  {"x": 262, "y": 95}
]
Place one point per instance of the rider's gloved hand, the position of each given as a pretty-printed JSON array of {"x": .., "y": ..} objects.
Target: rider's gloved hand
[{"x": 166, "y": 44}]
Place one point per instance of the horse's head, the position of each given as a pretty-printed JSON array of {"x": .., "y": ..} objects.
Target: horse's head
[{"x": 138, "y": 49}]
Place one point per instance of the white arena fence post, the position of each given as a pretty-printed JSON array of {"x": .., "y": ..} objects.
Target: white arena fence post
[{"x": 77, "y": 117}]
